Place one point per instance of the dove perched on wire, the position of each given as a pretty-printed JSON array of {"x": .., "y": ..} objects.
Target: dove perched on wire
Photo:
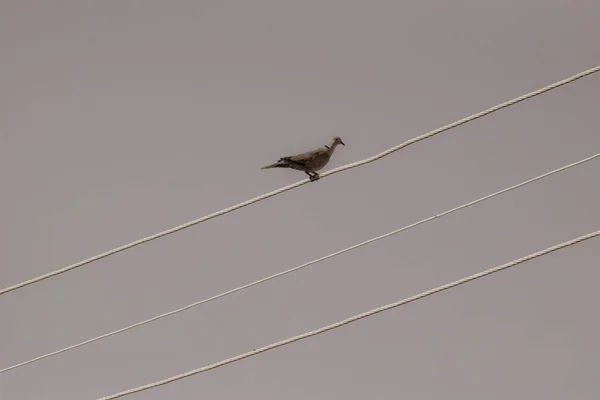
[{"x": 311, "y": 161}]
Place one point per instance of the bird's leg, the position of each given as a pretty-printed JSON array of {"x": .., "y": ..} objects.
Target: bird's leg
[{"x": 313, "y": 176}]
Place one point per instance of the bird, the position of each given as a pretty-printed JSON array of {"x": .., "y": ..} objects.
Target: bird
[{"x": 311, "y": 161}]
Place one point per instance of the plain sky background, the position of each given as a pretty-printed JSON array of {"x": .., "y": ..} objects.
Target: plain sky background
[{"x": 119, "y": 119}]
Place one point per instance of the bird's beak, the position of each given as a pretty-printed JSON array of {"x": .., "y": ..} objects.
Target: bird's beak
[{"x": 342, "y": 143}]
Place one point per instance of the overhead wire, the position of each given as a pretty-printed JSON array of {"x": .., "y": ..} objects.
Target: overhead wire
[
  {"x": 353, "y": 318},
  {"x": 257, "y": 282},
  {"x": 302, "y": 182}
]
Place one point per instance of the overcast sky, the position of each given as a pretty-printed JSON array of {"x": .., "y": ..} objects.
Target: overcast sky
[{"x": 119, "y": 119}]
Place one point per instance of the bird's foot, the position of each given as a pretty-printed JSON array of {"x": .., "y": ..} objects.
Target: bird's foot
[{"x": 314, "y": 177}]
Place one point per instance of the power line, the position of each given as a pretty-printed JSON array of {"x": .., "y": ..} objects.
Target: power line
[
  {"x": 257, "y": 282},
  {"x": 302, "y": 182},
  {"x": 354, "y": 318}
]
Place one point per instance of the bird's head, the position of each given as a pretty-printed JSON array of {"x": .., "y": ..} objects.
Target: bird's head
[{"x": 338, "y": 140}]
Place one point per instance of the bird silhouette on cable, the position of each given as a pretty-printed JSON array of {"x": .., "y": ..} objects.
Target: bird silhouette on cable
[{"x": 311, "y": 161}]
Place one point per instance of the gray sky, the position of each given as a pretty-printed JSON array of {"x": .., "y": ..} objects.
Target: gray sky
[{"x": 122, "y": 118}]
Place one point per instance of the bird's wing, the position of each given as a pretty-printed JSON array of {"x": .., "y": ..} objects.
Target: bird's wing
[{"x": 305, "y": 158}]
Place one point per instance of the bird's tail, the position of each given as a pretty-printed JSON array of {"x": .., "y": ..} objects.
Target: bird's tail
[{"x": 278, "y": 164}]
